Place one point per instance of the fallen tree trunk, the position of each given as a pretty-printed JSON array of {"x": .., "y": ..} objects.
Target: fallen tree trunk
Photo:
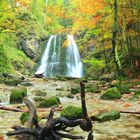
[
  {"x": 11, "y": 109},
  {"x": 130, "y": 112}
]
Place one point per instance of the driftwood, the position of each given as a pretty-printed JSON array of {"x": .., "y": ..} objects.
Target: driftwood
[
  {"x": 130, "y": 112},
  {"x": 10, "y": 109},
  {"x": 53, "y": 129}
]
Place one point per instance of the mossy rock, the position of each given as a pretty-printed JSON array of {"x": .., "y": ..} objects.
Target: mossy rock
[
  {"x": 124, "y": 89},
  {"x": 92, "y": 88},
  {"x": 12, "y": 82},
  {"x": 136, "y": 96},
  {"x": 75, "y": 90},
  {"x": 106, "y": 116},
  {"x": 40, "y": 93},
  {"x": 53, "y": 101},
  {"x": 17, "y": 95},
  {"x": 24, "y": 117},
  {"x": 72, "y": 112},
  {"x": 111, "y": 94}
]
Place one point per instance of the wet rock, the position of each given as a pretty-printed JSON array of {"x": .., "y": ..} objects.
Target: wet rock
[
  {"x": 92, "y": 88},
  {"x": 40, "y": 93},
  {"x": 75, "y": 90},
  {"x": 111, "y": 94},
  {"x": 17, "y": 95},
  {"x": 136, "y": 96},
  {"x": 70, "y": 96},
  {"x": 72, "y": 112},
  {"x": 26, "y": 84},
  {"x": 53, "y": 101},
  {"x": 38, "y": 99},
  {"x": 108, "y": 77},
  {"x": 106, "y": 116},
  {"x": 60, "y": 89},
  {"x": 124, "y": 89},
  {"x": 30, "y": 47}
]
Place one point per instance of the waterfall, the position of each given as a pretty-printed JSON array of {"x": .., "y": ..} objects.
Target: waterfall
[
  {"x": 58, "y": 60},
  {"x": 74, "y": 64},
  {"x": 44, "y": 60}
]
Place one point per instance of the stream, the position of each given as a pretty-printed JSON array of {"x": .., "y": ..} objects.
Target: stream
[{"x": 125, "y": 128}]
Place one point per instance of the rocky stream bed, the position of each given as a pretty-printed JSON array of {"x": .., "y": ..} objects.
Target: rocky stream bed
[{"x": 127, "y": 127}]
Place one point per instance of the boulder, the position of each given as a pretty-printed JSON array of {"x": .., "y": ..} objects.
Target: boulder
[
  {"x": 52, "y": 101},
  {"x": 106, "y": 116},
  {"x": 136, "y": 96},
  {"x": 40, "y": 93},
  {"x": 26, "y": 84},
  {"x": 75, "y": 90},
  {"x": 92, "y": 88},
  {"x": 72, "y": 112},
  {"x": 111, "y": 94},
  {"x": 124, "y": 89},
  {"x": 17, "y": 95}
]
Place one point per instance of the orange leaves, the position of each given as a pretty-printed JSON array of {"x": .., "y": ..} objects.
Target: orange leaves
[{"x": 127, "y": 105}]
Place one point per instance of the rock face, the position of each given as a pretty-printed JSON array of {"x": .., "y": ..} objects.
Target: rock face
[
  {"x": 53, "y": 101},
  {"x": 30, "y": 47},
  {"x": 72, "y": 112},
  {"x": 111, "y": 94},
  {"x": 17, "y": 95},
  {"x": 106, "y": 116}
]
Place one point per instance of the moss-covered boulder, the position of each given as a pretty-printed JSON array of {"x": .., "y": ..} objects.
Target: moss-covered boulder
[
  {"x": 124, "y": 89},
  {"x": 53, "y": 101},
  {"x": 72, "y": 112},
  {"x": 111, "y": 94},
  {"x": 17, "y": 95},
  {"x": 92, "y": 88},
  {"x": 24, "y": 117},
  {"x": 136, "y": 96},
  {"x": 75, "y": 90},
  {"x": 106, "y": 116},
  {"x": 40, "y": 93}
]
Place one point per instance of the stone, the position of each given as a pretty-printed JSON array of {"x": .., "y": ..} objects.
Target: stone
[
  {"x": 92, "y": 88},
  {"x": 60, "y": 88},
  {"x": 111, "y": 94},
  {"x": 136, "y": 96},
  {"x": 72, "y": 112},
  {"x": 26, "y": 84},
  {"x": 40, "y": 93},
  {"x": 52, "y": 101},
  {"x": 124, "y": 89},
  {"x": 70, "y": 96},
  {"x": 106, "y": 116},
  {"x": 17, "y": 95},
  {"x": 75, "y": 90}
]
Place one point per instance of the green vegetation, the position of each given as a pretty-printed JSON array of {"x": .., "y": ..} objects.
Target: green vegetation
[
  {"x": 53, "y": 101},
  {"x": 111, "y": 94},
  {"x": 17, "y": 95},
  {"x": 106, "y": 116},
  {"x": 24, "y": 117},
  {"x": 72, "y": 112}
]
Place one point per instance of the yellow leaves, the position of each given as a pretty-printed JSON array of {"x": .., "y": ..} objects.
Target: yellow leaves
[{"x": 65, "y": 44}]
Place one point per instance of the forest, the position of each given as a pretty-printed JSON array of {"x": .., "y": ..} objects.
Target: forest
[{"x": 72, "y": 63}]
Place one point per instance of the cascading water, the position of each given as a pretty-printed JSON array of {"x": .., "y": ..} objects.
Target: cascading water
[
  {"x": 58, "y": 60},
  {"x": 74, "y": 64}
]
